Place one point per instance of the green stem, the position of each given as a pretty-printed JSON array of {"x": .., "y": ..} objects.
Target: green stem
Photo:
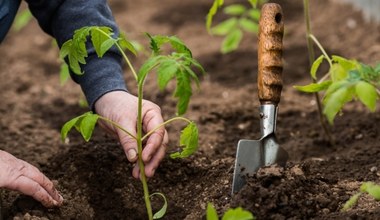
[
  {"x": 310, "y": 48},
  {"x": 139, "y": 152},
  {"x": 324, "y": 77},
  {"x": 123, "y": 54},
  {"x": 321, "y": 48},
  {"x": 163, "y": 124}
]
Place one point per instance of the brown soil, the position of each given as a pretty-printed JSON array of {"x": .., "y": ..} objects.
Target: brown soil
[{"x": 95, "y": 177}]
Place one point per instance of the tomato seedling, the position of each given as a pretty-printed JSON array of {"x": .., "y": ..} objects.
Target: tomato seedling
[
  {"x": 370, "y": 188},
  {"x": 346, "y": 80},
  {"x": 241, "y": 19},
  {"x": 174, "y": 65}
]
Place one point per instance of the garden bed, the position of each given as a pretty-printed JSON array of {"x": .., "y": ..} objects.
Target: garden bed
[{"x": 95, "y": 178}]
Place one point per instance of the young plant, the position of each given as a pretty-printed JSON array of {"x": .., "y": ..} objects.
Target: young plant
[
  {"x": 231, "y": 214},
  {"x": 241, "y": 19},
  {"x": 346, "y": 80},
  {"x": 368, "y": 187},
  {"x": 175, "y": 65}
]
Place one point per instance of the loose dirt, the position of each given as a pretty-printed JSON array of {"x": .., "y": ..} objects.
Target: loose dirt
[{"x": 95, "y": 177}]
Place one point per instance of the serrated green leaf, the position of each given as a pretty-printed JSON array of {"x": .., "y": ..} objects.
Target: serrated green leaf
[
  {"x": 367, "y": 94},
  {"x": 179, "y": 46},
  {"x": 254, "y": 14},
  {"x": 70, "y": 124},
  {"x": 335, "y": 101},
  {"x": 315, "y": 66},
  {"x": 345, "y": 63},
  {"x": 210, "y": 15},
  {"x": 183, "y": 92},
  {"x": 188, "y": 140},
  {"x": 231, "y": 41},
  {"x": 160, "y": 213},
  {"x": 211, "y": 213},
  {"x": 351, "y": 202},
  {"x": 64, "y": 73},
  {"x": 87, "y": 125},
  {"x": 337, "y": 72},
  {"x": 235, "y": 9},
  {"x": 238, "y": 213},
  {"x": 106, "y": 45},
  {"x": 191, "y": 73},
  {"x": 125, "y": 44},
  {"x": 249, "y": 25},
  {"x": 165, "y": 72},
  {"x": 149, "y": 64},
  {"x": 100, "y": 35},
  {"x": 314, "y": 87},
  {"x": 225, "y": 27}
]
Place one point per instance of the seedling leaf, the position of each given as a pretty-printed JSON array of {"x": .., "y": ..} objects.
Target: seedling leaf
[
  {"x": 188, "y": 140},
  {"x": 253, "y": 3},
  {"x": 183, "y": 92},
  {"x": 372, "y": 189},
  {"x": 22, "y": 19},
  {"x": 315, "y": 66},
  {"x": 101, "y": 36},
  {"x": 210, "y": 15},
  {"x": 235, "y": 9},
  {"x": 314, "y": 87},
  {"x": 254, "y": 14},
  {"x": 87, "y": 125},
  {"x": 248, "y": 25},
  {"x": 70, "y": 124},
  {"x": 367, "y": 94},
  {"x": 149, "y": 64},
  {"x": 126, "y": 44},
  {"x": 225, "y": 27},
  {"x": 351, "y": 202},
  {"x": 211, "y": 213},
  {"x": 165, "y": 72},
  {"x": 377, "y": 68},
  {"x": 335, "y": 101},
  {"x": 163, "y": 209},
  {"x": 232, "y": 41},
  {"x": 238, "y": 213}
]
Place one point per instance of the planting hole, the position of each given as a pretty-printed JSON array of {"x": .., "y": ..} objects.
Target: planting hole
[{"x": 278, "y": 18}]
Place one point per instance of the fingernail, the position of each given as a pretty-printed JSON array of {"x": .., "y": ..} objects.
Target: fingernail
[{"x": 131, "y": 154}]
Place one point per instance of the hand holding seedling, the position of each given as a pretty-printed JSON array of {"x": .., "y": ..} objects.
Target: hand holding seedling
[
  {"x": 121, "y": 107},
  {"x": 16, "y": 174}
]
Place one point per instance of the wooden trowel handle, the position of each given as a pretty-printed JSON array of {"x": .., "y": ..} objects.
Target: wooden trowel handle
[{"x": 270, "y": 54}]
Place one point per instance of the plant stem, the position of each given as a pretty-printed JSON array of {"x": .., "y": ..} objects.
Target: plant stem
[
  {"x": 311, "y": 36},
  {"x": 122, "y": 53},
  {"x": 310, "y": 48},
  {"x": 163, "y": 124},
  {"x": 139, "y": 152}
]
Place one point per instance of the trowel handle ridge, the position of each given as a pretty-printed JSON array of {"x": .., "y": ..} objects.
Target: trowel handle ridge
[{"x": 270, "y": 54}]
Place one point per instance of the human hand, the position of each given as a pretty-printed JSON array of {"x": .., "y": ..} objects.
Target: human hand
[
  {"x": 121, "y": 107},
  {"x": 16, "y": 174}
]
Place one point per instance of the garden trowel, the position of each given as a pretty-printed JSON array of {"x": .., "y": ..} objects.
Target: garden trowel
[{"x": 253, "y": 154}]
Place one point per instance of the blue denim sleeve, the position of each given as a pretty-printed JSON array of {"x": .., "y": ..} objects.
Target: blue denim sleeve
[{"x": 60, "y": 18}]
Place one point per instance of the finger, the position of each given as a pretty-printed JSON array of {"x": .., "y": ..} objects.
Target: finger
[
  {"x": 128, "y": 143},
  {"x": 152, "y": 166},
  {"x": 151, "y": 120},
  {"x": 34, "y": 174},
  {"x": 31, "y": 188},
  {"x": 136, "y": 171}
]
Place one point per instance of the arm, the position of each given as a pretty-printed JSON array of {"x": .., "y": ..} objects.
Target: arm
[
  {"x": 60, "y": 18},
  {"x": 102, "y": 81}
]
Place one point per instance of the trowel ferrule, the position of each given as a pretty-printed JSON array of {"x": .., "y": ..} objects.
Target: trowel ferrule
[{"x": 268, "y": 117}]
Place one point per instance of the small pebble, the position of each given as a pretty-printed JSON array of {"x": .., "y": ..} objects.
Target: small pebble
[{"x": 373, "y": 169}]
